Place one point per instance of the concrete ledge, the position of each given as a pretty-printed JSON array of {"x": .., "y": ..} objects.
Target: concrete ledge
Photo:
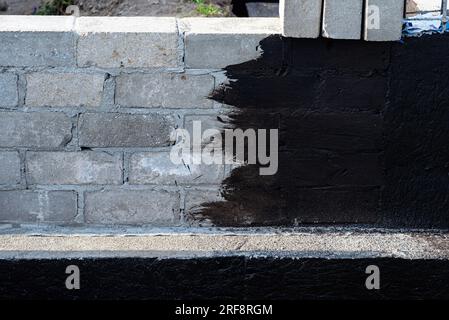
[
  {"x": 312, "y": 243},
  {"x": 219, "y": 42},
  {"x": 37, "y": 23}
]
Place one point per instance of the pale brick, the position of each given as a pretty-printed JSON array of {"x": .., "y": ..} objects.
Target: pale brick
[
  {"x": 74, "y": 168},
  {"x": 9, "y": 168},
  {"x": 103, "y": 130},
  {"x": 130, "y": 42},
  {"x": 64, "y": 89},
  {"x": 8, "y": 90},
  {"x": 207, "y": 122},
  {"x": 164, "y": 90},
  {"x": 219, "y": 42},
  {"x": 38, "y": 206},
  {"x": 35, "y": 130},
  {"x": 157, "y": 168},
  {"x": 342, "y": 19},
  {"x": 132, "y": 207},
  {"x": 383, "y": 20},
  {"x": 37, "y": 41},
  {"x": 300, "y": 18}
]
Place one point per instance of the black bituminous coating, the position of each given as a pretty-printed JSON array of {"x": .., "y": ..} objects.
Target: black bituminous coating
[
  {"x": 237, "y": 278},
  {"x": 364, "y": 134}
]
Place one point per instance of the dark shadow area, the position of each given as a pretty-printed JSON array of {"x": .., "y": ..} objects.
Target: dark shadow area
[
  {"x": 363, "y": 131},
  {"x": 237, "y": 278},
  {"x": 255, "y": 8}
]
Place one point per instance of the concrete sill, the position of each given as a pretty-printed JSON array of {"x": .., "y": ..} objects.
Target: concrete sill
[{"x": 331, "y": 243}]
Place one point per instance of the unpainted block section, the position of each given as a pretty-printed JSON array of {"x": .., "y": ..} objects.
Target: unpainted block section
[
  {"x": 49, "y": 130},
  {"x": 38, "y": 206},
  {"x": 47, "y": 168},
  {"x": 8, "y": 90},
  {"x": 342, "y": 19},
  {"x": 9, "y": 168},
  {"x": 158, "y": 168},
  {"x": 30, "y": 41},
  {"x": 300, "y": 18},
  {"x": 64, "y": 89},
  {"x": 105, "y": 130},
  {"x": 164, "y": 90},
  {"x": 130, "y": 42},
  {"x": 218, "y": 42},
  {"x": 383, "y": 20},
  {"x": 132, "y": 207},
  {"x": 210, "y": 128}
]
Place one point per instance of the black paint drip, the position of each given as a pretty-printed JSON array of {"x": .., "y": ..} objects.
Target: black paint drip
[{"x": 364, "y": 134}]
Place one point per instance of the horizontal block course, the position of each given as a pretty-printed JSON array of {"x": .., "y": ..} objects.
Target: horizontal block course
[
  {"x": 164, "y": 90},
  {"x": 35, "y": 130},
  {"x": 64, "y": 89},
  {"x": 9, "y": 168},
  {"x": 132, "y": 207},
  {"x": 37, "y": 41},
  {"x": 219, "y": 42},
  {"x": 103, "y": 130},
  {"x": 157, "y": 168},
  {"x": 131, "y": 42},
  {"x": 73, "y": 168},
  {"x": 38, "y": 206},
  {"x": 197, "y": 200}
]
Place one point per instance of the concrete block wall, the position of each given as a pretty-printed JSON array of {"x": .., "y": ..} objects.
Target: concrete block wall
[
  {"x": 87, "y": 110},
  {"x": 380, "y": 20}
]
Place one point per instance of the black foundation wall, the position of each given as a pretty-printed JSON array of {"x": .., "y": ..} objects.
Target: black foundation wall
[
  {"x": 364, "y": 134},
  {"x": 236, "y": 278}
]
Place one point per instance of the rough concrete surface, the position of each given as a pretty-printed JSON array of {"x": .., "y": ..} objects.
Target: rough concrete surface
[{"x": 258, "y": 242}]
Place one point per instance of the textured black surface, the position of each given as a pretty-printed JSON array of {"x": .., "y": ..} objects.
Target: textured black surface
[
  {"x": 364, "y": 134},
  {"x": 235, "y": 278}
]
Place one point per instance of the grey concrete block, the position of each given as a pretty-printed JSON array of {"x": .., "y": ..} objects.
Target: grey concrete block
[
  {"x": 64, "y": 89},
  {"x": 207, "y": 122},
  {"x": 132, "y": 207},
  {"x": 131, "y": 42},
  {"x": 383, "y": 20},
  {"x": 36, "y": 41},
  {"x": 164, "y": 90},
  {"x": 300, "y": 18},
  {"x": 9, "y": 168},
  {"x": 157, "y": 168},
  {"x": 9, "y": 96},
  {"x": 38, "y": 206},
  {"x": 196, "y": 201},
  {"x": 218, "y": 42},
  {"x": 75, "y": 168},
  {"x": 342, "y": 19},
  {"x": 103, "y": 130},
  {"x": 49, "y": 130}
]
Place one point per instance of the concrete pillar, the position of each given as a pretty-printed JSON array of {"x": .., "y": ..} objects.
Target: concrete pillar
[
  {"x": 383, "y": 20},
  {"x": 300, "y": 18},
  {"x": 342, "y": 19}
]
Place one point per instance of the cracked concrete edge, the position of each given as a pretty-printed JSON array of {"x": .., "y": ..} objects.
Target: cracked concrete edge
[{"x": 340, "y": 243}]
